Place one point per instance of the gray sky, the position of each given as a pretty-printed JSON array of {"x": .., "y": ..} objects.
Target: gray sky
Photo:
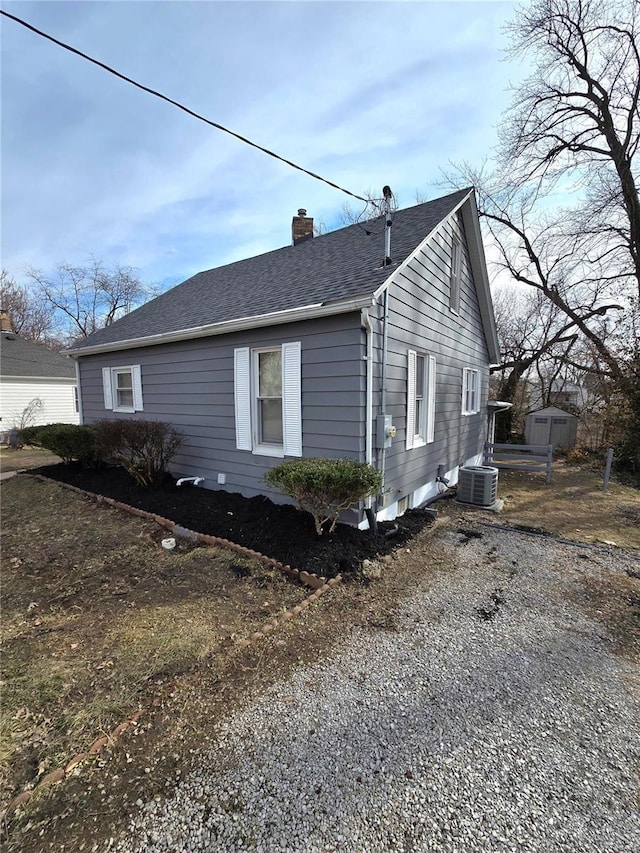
[{"x": 363, "y": 93}]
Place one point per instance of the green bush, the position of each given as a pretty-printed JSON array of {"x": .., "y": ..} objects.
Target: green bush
[
  {"x": 69, "y": 442},
  {"x": 30, "y": 436},
  {"x": 143, "y": 448},
  {"x": 325, "y": 487}
]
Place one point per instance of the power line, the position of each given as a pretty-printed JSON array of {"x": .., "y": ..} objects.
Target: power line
[{"x": 178, "y": 105}]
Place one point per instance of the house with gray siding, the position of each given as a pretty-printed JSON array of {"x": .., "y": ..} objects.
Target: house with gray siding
[{"x": 372, "y": 342}]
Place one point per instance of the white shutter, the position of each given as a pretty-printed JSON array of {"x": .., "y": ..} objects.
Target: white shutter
[
  {"x": 292, "y": 399},
  {"x": 431, "y": 400},
  {"x": 242, "y": 397},
  {"x": 411, "y": 398},
  {"x": 107, "y": 389},
  {"x": 465, "y": 373},
  {"x": 136, "y": 381}
]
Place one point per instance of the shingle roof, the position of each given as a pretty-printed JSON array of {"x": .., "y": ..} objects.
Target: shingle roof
[
  {"x": 19, "y": 357},
  {"x": 335, "y": 266}
]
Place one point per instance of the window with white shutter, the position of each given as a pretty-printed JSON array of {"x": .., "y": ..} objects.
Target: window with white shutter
[
  {"x": 470, "y": 391},
  {"x": 421, "y": 399},
  {"x": 268, "y": 410},
  {"x": 122, "y": 388}
]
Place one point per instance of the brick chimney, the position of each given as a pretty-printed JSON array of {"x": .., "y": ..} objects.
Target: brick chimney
[
  {"x": 301, "y": 227},
  {"x": 5, "y": 321}
]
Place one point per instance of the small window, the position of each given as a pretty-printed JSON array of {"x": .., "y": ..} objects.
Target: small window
[
  {"x": 454, "y": 279},
  {"x": 421, "y": 398},
  {"x": 540, "y": 421},
  {"x": 559, "y": 420},
  {"x": 470, "y": 391},
  {"x": 122, "y": 387}
]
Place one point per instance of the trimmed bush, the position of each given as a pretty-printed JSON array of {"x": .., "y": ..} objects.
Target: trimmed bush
[
  {"x": 68, "y": 441},
  {"x": 143, "y": 448},
  {"x": 29, "y": 435},
  {"x": 325, "y": 487}
]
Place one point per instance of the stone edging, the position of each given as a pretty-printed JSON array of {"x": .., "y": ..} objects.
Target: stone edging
[{"x": 320, "y": 586}]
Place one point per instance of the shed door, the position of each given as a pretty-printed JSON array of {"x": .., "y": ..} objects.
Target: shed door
[
  {"x": 559, "y": 434},
  {"x": 540, "y": 430}
]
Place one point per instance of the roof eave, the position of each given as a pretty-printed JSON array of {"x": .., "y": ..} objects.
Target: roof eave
[{"x": 274, "y": 318}]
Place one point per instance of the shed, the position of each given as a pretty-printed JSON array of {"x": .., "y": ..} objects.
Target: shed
[{"x": 551, "y": 425}]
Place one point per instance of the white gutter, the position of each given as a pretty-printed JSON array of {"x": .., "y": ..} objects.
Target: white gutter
[
  {"x": 65, "y": 379},
  {"x": 274, "y": 318}
]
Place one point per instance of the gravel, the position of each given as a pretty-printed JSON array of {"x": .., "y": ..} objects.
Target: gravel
[{"x": 493, "y": 716}]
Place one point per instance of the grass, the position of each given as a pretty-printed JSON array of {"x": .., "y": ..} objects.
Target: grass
[
  {"x": 25, "y": 458},
  {"x": 573, "y": 505},
  {"x": 97, "y": 616}
]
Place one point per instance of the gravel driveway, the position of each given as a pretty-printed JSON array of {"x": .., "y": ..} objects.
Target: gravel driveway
[{"x": 492, "y": 714}]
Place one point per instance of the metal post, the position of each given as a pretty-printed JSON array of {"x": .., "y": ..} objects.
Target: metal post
[{"x": 607, "y": 470}]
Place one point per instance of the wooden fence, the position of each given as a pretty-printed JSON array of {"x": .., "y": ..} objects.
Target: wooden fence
[{"x": 524, "y": 457}]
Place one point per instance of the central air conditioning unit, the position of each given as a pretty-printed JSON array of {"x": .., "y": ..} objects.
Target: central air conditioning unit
[{"x": 477, "y": 484}]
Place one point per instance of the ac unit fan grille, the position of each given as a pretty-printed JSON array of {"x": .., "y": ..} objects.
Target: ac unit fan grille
[{"x": 478, "y": 485}]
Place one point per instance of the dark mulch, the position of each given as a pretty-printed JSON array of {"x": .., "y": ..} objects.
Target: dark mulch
[{"x": 279, "y": 531}]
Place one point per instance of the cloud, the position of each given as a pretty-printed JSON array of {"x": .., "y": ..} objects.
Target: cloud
[{"x": 362, "y": 93}]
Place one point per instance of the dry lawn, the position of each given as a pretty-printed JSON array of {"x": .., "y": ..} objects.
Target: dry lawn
[
  {"x": 96, "y": 616},
  {"x": 27, "y": 457},
  {"x": 572, "y": 505}
]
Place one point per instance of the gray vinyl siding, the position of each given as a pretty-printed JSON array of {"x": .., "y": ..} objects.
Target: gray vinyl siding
[
  {"x": 190, "y": 385},
  {"x": 420, "y": 319}
]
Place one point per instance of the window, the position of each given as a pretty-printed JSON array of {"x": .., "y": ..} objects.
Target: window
[
  {"x": 268, "y": 400},
  {"x": 268, "y": 374},
  {"x": 122, "y": 387},
  {"x": 470, "y": 391},
  {"x": 454, "y": 279},
  {"x": 421, "y": 399}
]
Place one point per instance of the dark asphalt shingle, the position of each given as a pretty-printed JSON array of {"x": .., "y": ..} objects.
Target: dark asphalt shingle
[
  {"x": 338, "y": 265},
  {"x": 24, "y": 358}
]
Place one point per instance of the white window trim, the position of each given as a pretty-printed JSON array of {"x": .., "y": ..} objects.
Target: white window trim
[
  {"x": 454, "y": 277},
  {"x": 473, "y": 374},
  {"x": 246, "y": 401},
  {"x": 110, "y": 390},
  {"x": 427, "y": 428},
  {"x": 259, "y": 448}
]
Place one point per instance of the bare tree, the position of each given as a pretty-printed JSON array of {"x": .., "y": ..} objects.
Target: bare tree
[
  {"x": 577, "y": 117},
  {"x": 84, "y": 299},
  {"x": 30, "y": 317}
]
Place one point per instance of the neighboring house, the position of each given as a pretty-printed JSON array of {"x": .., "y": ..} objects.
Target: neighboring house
[
  {"x": 322, "y": 348},
  {"x": 37, "y": 386},
  {"x": 567, "y": 395}
]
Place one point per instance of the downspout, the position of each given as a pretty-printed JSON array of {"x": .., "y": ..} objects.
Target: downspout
[
  {"x": 366, "y": 324},
  {"x": 80, "y": 412},
  {"x": 383, "y": 390}
]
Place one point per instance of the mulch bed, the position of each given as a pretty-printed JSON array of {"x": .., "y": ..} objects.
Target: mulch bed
[{"x": 279, "y": 531}]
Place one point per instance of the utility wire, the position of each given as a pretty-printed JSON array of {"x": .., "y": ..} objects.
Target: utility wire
[{"x": 179, "y": 105}]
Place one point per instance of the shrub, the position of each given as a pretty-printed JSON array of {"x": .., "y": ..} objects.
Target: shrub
[
  {"x": 30, "y": 435},
  {"x": 68, "y": 441},
  {"x": 143, "y": 448},
  {"x": 325, "y": 487}
]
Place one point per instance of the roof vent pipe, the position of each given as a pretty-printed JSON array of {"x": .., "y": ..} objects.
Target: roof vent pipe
[{"x": 386, "y": 209}]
